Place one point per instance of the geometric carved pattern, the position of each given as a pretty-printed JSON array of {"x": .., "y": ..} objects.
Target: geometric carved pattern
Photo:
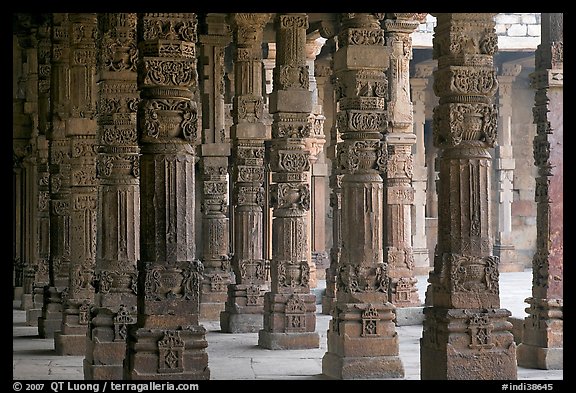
[{"x": 171, "y": 353}]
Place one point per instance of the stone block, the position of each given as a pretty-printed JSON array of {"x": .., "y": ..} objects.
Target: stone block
[
  {"x": 409, "y": 316},
  {"x": 355, "y": 57},
  {"x": 272, "y": 340},
  {"x": 530, "y": 356},
  {"x": 368, "y": 367},
  {"x": 295, "y": 101},
  {"x": 241, "y": 323},
  {"x": 70, "y": 344}
]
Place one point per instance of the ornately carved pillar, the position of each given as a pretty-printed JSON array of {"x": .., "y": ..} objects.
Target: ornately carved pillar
[
  {"x": 504, "y": 165},
  {"x": 318, "y": 168},
  {"x": 118, "y": 209},
  {"x": 420, "y": 250},
  {"x": 81, "y": 131},
  {"x": 466, "y": 335},
  {"x": 214, "y": 170},
  {"x": 245, "y": 305},
  {"x": 362, "y": 338},
  {"x": 167, "y": 341},
  {"x": 42, "y": 247},
  {"x": 59, "y": 161},
  {"x": 289, "y": 307},
  {"x": 326, "y": 82},
  {"x": 543, "y": 338},
  {"x": 399, "y": 138}
]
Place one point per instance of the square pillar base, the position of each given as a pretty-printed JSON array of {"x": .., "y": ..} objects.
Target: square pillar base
[
  {"x": 270, "y": 340},
  {"x": 102, "y": 372},
  {"x": 365, "y": 367},
  {"x": 241, "y": 323},
  {"x": 409, "y": 316},
  {"x": 530, "y": 356},
  {"x": 70, "y": 344}
]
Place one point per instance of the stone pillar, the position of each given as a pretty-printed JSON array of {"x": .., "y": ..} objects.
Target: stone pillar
[
  {"x": 42, "y": 247},
  {"x": 244, "y": 308},
  {"x": 420, "y": 250},
  {"x": 543, "y": 338},
  {"x": 362, "y": 338},
  {"x": 289, "y": 307},
  {"x": 214, "y": 170},
  {"x": 167, "y": 341},
  {"x": 334, "y": 183},
  {"x": 118, "y": 209},
  {"x": 398, "y": 189},
  {"x": 321, "y": 171},
  {"x": 318, "y": 167},
  {"x": 466, "y": 335},
  {"x": 59, "y": 160},
  {"x": 81, "y": 132},
  {"x": 504, "y": 165}
]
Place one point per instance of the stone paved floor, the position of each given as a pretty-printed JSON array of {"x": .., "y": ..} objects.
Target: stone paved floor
[{"x": 238, "y": 357}]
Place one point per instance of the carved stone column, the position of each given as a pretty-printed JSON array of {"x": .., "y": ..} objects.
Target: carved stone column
[
  {"x": 398, "y": 189},
  {"x": 420, "y": 250},
  {"x": 42, "y": 247},
  {"x": 362, "y": 339},
  {"x": 59, "y": 160},
  {"x": 214, "y": 170},
  {"x": 504, "y": 165},
  {"x": 289, "y": 307},
  {"x": 244, "y": 308},
  {"x": 81, "y": 131},
  {"x": 118, "y": 211},
  {"x": 466, "y": 335},
  {"x": 167, "y": 341},
  {"x": 318, "y": 167},
  {"x": 334, "y": 183},
  {"x": 543, "y": 338}
]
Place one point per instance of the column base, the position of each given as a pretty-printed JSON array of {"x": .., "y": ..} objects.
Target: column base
[
  {"x": 211, "y": 311},
  {"x": 27, "y": 301},
  {"x": 270, "y": 340},
  {"x": 327, "y": 304},
  {"x": 409, "y": 316},
  {"x": 241, "y": 323},
  {"x": 421, "y": 261},
  {"x": 530, "y": 356},
  {"x": 365, "y": 367},
  {"x": 32, "y": 316},
  {"x": 508, "y": 259},
  {"x": 49, "y": 325},
  {"x": 70, "y": 344},
  {"x": 467, "y": 344},
  {"x": 102, "y": 372},
  {"x": 167, "y": 354}
]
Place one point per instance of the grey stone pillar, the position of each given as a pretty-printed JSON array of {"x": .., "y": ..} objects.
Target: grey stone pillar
[
  {"x": 543, "y": 336},
  {"x": 362, "y": 339},
  {"x": 334, "y": 181},
  {"x": 504, "y": 165},
  {"x": 118, "y": 209},
  {"x": 81, "y": 132},
  {"x": 167, "y": 341},
  {"x": 418, "y": 84},
  {"x": 214, "y": 169},
  {"x": 398, "y": 189},
  {"x": 245, "y": 305},
  {"x": 42, "y": 231},
  {"x": 59, "y": 160},
  {"x": 289, "y": 307},
  {"x": 466, "y": 335}
]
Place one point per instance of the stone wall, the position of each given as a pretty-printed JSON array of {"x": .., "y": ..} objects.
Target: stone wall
[{"x": 516, "y": 31}]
